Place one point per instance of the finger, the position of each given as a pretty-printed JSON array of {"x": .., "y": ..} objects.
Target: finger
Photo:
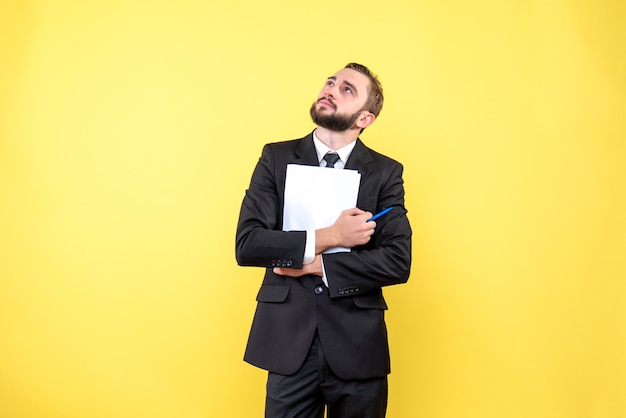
[
  {"x": 353, "y": 212},
  {"x": 283, "y": 271},
  {"x": 365, "y": 216},
  {"x": 371, "y": 224}
]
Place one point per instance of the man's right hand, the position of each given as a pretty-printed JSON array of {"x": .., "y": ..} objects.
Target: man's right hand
[{"x": 349, "y": 230}]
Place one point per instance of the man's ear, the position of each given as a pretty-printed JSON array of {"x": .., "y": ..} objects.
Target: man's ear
[{"x": 365, "y": 119}]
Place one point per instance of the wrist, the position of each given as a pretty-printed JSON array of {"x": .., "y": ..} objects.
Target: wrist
[{"x": 325, "y": 238}]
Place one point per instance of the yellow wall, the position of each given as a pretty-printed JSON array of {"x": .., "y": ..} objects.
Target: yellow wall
[{"x": 128, "y": 133}]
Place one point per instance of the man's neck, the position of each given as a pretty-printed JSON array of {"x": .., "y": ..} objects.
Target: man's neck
[{"x": 336, "y": 139}]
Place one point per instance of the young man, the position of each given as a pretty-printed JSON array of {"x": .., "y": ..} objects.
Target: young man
[{"x": 319, "y": 327}]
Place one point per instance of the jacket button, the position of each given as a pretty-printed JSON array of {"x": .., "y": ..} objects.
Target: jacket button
[{"x": 318, "y": 290}]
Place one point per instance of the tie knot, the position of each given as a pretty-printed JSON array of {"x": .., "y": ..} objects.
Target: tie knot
[{"x": 331, "y": 158}]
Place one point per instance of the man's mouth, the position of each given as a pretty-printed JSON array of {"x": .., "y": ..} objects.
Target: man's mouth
[{"x": 327, "y": 103}]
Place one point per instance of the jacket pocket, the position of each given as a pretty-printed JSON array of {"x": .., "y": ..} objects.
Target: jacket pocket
[
  {"x": 273, "y": 293},
  {"x": 371, "y": 301}
]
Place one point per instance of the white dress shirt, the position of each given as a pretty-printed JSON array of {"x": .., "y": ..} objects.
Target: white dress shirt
[{"x": 322, "y": 150}]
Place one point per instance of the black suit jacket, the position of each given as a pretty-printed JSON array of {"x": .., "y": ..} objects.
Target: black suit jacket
[{"x": 349, "y": 314}]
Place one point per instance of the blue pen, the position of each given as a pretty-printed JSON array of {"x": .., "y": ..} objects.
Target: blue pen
[{"x": 379, "y": 214}]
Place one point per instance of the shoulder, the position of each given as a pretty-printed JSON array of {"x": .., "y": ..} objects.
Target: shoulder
[
  {"x": 298, "y": 151},
  {"x": 288, "y": 144},
  {"x": 377, "y": 157}
]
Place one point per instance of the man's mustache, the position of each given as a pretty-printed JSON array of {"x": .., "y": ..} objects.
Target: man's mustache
[{"x": 334, "y": 106}]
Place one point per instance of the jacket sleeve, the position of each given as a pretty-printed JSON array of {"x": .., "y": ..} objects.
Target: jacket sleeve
[
  {"x": 260, "y": 240},
  {"x": 386, "y": 258}
]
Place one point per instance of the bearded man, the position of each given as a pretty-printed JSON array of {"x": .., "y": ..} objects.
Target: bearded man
[{"x": 319, "y": 326}]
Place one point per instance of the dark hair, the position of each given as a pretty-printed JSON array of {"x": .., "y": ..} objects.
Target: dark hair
[{"x": 375, "y": 98}]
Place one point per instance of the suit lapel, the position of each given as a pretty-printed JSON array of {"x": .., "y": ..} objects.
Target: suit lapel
[
  {"x": 360, "y": 159},
  {"x": 305, "y": 153}
]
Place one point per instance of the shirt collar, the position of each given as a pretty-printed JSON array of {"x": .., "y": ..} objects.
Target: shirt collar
[{"x": 321, "y": 149}]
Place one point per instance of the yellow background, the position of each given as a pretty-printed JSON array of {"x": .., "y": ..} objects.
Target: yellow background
[{"x": 128, "y": 134}]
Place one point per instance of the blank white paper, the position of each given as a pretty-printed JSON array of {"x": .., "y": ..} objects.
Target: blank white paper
[{"x": 315, "y": 196}]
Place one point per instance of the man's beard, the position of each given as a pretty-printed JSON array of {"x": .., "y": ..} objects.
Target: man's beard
[{"x": 334, "y": 122}]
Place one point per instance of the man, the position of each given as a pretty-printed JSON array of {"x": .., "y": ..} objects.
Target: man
[{"x": 319, "y": 326}]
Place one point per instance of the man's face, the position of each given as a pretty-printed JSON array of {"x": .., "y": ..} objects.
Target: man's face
[{"x": 340, "y": 102}]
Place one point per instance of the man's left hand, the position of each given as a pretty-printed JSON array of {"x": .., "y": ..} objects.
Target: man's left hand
[{"x": 315, "y": 267}]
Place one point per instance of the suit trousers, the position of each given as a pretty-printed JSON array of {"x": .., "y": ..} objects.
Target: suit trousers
[{"x": 306, "y": 393}]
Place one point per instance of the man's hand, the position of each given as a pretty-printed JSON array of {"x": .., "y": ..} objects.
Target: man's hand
[
  {"x": 314, "y": 267},
  {"x": 349, "y": 230}
]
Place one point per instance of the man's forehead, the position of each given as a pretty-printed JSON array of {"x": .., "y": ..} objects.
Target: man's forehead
[{"x": 350, "y": 74}]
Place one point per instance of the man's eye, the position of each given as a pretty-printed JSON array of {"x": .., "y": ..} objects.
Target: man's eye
[
  {"x": 329, "y": 83},
  {"x": 347, "y": 89}
]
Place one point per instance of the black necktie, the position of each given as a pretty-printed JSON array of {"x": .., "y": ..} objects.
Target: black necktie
[{"x": 331, "y": 158}]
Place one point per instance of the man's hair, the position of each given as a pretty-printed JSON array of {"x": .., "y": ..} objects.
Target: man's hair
[{"x": 375, "y": 98}]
